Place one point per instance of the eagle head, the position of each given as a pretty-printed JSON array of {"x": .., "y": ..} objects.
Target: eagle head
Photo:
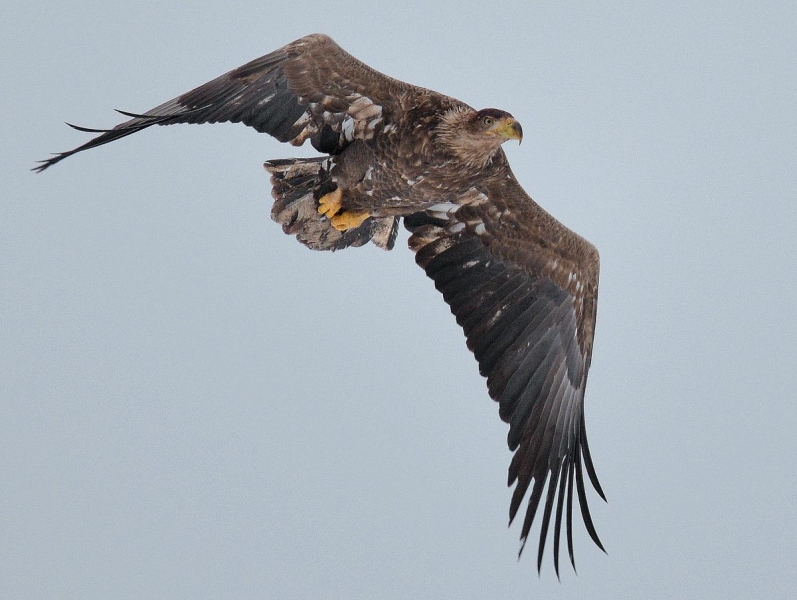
[
  {"x": 475, "y": 136},
  {"x": 496, "y": 124}
]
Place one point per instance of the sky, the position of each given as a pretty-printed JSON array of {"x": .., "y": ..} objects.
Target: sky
[{"x": 193, "y": 405}]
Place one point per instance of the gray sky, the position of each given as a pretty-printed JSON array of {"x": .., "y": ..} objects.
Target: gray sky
[{"x": 195, "y": 405}]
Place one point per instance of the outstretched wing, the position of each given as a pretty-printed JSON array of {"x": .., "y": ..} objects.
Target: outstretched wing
[
  {"x": 310, "y": 88},
  {"x": 524, "y": 288}
]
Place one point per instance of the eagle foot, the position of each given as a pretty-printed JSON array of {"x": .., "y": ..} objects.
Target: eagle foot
[
  {"x": 348, "y": 220},
  {"x": 330, "y": 204}
]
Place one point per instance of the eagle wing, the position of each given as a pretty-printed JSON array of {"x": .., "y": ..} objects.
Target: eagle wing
[
  {"x": 310, "y": 88},
  {"x": 524, "y": 289}
]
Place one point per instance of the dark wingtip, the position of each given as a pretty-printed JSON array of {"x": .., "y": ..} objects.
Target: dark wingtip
[
  {"x": 87, "y": 129},
  {"x": 44, "y": 164},
  {"x": 593, "y": 476},
  {"x": 585, "y": 515},
  {"x": 136, "y": 115}
]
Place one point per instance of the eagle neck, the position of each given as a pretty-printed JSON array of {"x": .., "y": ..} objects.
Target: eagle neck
[{"x": 471, "y": 151}]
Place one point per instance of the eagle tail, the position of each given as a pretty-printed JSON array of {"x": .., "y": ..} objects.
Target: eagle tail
[{"x": 297, "y": 184}]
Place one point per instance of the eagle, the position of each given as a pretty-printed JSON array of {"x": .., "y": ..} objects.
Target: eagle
[{"x": 522, "y": 286}]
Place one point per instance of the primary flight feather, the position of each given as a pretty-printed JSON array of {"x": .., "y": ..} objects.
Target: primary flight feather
[{"x": 522, "y": 286}]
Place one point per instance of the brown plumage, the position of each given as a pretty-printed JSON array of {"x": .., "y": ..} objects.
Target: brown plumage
[{"x": 522, "y": 286}]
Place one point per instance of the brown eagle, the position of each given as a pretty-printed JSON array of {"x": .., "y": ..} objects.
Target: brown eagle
[{"x": 522, "y": 286}]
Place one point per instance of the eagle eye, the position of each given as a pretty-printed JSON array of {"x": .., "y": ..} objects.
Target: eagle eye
[{"x": 489, "y": 121}]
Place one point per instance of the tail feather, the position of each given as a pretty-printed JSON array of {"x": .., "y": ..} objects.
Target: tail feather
[{"x": 296, "y": 186}]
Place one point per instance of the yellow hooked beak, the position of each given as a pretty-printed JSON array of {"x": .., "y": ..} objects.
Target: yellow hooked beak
[{"x": 510, "y": 129}]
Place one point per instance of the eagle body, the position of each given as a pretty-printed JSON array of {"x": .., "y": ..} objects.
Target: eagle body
[
  {"x": 388, "y": 177},
  {"x": 522, "y": 286}
]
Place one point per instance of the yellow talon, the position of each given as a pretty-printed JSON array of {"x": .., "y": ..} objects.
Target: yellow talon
[
  {"x": 348, "y": 220},
  {"x": 330, "y": 204}
]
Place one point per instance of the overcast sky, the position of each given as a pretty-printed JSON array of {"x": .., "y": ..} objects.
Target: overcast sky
[{"x": 195, "y": 405}]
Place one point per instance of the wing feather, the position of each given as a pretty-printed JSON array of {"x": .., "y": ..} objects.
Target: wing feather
[
  {"x": 294, "y": 93},
  {"x": 524, "y": 289},
  {"x": 558, "y": 524},
  {"x": 547, "y": 516}
]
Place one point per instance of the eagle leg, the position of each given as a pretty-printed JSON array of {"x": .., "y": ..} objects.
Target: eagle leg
[{"x": 330, "y": 206}]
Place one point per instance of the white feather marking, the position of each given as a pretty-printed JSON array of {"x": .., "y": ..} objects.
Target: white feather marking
[
  {"x": 348, "y": 128},
  {"x": 480, "y": 229},
  {"x": 443, "y": 244},
  {"x": 267, "y": 99},
  {"x": 444, "y": 207},
  {"x": 367, "y": 112},
  {"x": 495, "y": 317},
  {"x": 364, "y": 108}
]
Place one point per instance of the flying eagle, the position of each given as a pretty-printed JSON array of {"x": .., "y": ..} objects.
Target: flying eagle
[{"x": 522, "y": 286}]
